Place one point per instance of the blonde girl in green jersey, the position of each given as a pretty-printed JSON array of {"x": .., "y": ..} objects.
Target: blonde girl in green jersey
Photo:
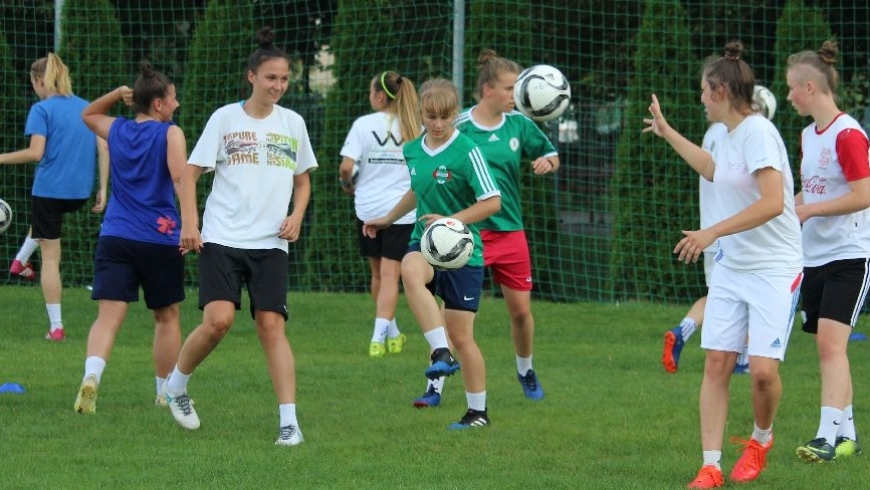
[{"x": 449, "y": 178}]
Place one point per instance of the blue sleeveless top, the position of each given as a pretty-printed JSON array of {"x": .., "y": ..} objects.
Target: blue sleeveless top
[{"x": 142, "y": 202}]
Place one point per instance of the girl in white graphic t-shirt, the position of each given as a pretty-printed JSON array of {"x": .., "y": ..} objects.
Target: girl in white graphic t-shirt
[
  {"x": 375, "y": 143},
  {"x": 832, "y": 206},
  {"x": 261, "y": 155},
  {"x": 758, "y": 270}
]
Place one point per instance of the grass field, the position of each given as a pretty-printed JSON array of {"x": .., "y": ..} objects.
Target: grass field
[{"x": 612, "y": 418}]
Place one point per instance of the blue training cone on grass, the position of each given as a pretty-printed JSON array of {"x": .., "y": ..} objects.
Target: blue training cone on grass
[
  {"x": 857, "y": 337},
  {"x": 12, "y": 388}
]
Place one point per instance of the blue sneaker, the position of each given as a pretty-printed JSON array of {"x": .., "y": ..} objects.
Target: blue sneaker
[
  {"x": 741, "y": 368},
  {"x": 673, "y": 347},
  {"x": 443, "y": 364},
  {"x": 470, "y": 420},
  {"x": 429, "y": 399},
  {"x": 531, "y": 387}
]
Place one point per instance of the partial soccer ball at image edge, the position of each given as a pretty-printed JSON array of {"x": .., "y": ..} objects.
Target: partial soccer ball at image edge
[
  {"x": 447, "y": 244},
  {"x": 542, "y": 93},
  {"x": 5, "y": 215},
  {"x": 765, "y": 100}
]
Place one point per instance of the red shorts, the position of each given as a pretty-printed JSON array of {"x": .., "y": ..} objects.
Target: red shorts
[{"x": 506, "y": 253}]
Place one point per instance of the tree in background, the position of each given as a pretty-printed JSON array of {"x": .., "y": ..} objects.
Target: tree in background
[
  {"x": 654, "y": 194},
  {"x": 799, "y": 28}
]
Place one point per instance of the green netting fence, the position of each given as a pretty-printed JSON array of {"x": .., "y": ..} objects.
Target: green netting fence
[{"x": 602, "y": 229}]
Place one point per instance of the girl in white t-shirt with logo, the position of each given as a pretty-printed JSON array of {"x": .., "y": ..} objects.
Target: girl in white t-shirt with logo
[
  {"x": 758, "y": 272},
  {"x": 832, "y": 206},
  {"x": 375, "y": 143},
  {"x": 261, "y": 156}
]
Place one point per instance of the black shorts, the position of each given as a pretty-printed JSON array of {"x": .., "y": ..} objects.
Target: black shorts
[
  {"x": 46, "y": 215},
  {"x": 122, "y": 265},
  {"x": 836, "y": 291},
  {"x": 460, "y": 289},
  {"x": 389, "y": 243},
  {"x": 222, "y": 270}
]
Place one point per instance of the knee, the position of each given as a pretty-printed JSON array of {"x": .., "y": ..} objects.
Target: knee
[
  {"x": 217, "y": 327},
  {"x": 764, "y": 374}
]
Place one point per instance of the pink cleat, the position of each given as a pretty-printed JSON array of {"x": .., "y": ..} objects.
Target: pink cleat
[{"x": 24, "y": 270}]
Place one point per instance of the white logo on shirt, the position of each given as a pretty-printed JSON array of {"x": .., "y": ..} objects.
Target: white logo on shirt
[
  {"x": 515, "y": 144},
  {"x": 493, "y": 138}
]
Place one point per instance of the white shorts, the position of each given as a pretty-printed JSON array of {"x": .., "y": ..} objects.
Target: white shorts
[{"x": 754, "y": 304}]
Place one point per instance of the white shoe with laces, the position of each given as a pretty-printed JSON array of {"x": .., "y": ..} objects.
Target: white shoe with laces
[
  {"x": 182, "y": 410},
  {"x": 289, "y": 435}
]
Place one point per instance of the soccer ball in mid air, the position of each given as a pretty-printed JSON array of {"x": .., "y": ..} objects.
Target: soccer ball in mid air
[
  {"x": 5, "y": 215},
  {"x": 542, "y": 93},
  {"x": 765, "y": 101},
  {"x": 447, "y": 244}
]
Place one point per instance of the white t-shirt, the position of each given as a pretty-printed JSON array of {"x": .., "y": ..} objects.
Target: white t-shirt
[
  {"x": 254, "y": 161},
  {"x": 706, "y": 197},
  {"x": 375, "y": 143},
  {"x": 833, "y": 157},
  {"x": 775, "y": 245}
]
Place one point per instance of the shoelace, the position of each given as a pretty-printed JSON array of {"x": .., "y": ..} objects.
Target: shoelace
[
  {"x": 753, "y": 453},
  {"x": 183, "y": 402},
  {"x": 531, "y": 381},
  {"x": 708, "y": 474},
  {"x": 287, "y": 432}
]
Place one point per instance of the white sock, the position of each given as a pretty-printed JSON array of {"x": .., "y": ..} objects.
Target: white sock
[
  {"x": 437, "y": 338},
  {"x": 27, "y": 248},
  {"x": 287, "y": 415},
  {"x": 524, "y": 365},
  {"x": 393, "y": 329},
  {"x": 95, "y": 365},
  {"x": 743, "y": 356},
  {"x": 829, "y": 424},
  {"x": 687, "y": 327},
  {"x": 437, "y": 383},
  {"x": 380, "y": 333},
  {"x": 847, "y": 426},
  {"x": 176, "y": 383},
  {"x": 763, "y": 436},
  {"x": 711, "y": 458},
  {"x": 159, "y": 382},
  {"x": 476, "y": 401},
  {"x": 54, "y": 316}
]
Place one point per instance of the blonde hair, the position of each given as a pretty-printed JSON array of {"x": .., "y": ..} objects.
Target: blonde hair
[
  {"x": 54, "y": 74},
  {"x": 822, "y": 62},
  {"x": 402, "y": 102},
  {"x": 439, "y": 96}
]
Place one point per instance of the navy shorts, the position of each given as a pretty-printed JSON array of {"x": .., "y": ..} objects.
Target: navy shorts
[
  {"x": 389, "y": 243},
  {"x": 836, "y": 291},
  {"x": 223, "y": 270},
  {"x": 121, "y": 266},
  {"x": 46, "y": 215},
  {"x": 460, "y": 289}
]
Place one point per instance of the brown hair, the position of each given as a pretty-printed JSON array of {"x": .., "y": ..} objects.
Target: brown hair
[
  {"x": 265, "y": 38},
  {"x": 822, "y": 62},
  {"x": 731, "y": 72},
  {"x": 439, "y": 96},
  {"x": 149, "y": 86},
  {"x": 489, "y": 67},
  {"x": 54, "y": 74},
  {"x": 402, "y": 102}
]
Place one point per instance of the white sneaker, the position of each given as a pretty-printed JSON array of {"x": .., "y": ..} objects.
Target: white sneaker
[
  {"x": 86, "y": 400},
  {"x": 182, "y": 410},
  {"x": 289, "y": 435}
]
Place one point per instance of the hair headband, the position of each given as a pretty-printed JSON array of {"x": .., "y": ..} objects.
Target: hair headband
[{"x": 391, "y": 95}]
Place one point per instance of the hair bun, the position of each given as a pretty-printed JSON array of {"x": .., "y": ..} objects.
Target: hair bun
[
  {"x": 265, "y": 37},
  {"x": 733, "y": 50}
]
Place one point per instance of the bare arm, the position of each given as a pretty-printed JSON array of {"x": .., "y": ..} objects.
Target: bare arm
[
  {"x": 406, "y": 204},
  {"x": 345, "y": 174},
  {"x": 95, "y": 114},
  {"x": 103, "y": 166},
  {"x": 857, "y": 199},
  {"x": 292, "y": 225},
  {"x": 31, "y": 154},
  {"x": 479, "y": 211},
  {"x": 768, "y": 206},
  {"x": 545, "y": 165},
  {"x": 186, "y": 189},
  {"x": 694, "y": 155}
]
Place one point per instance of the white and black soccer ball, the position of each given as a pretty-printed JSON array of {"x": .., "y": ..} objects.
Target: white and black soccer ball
[
  {"x": 5, "y": 215},
  {"x": 765, "y": 101},
  {"x": 447, "y": 244},
  {"x": 542, "y": 93}
]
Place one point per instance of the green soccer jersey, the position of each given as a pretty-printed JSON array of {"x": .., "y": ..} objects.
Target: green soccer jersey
[
  {"x": 447, "y": 180},
  {"x": 505, "y": 147}
]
